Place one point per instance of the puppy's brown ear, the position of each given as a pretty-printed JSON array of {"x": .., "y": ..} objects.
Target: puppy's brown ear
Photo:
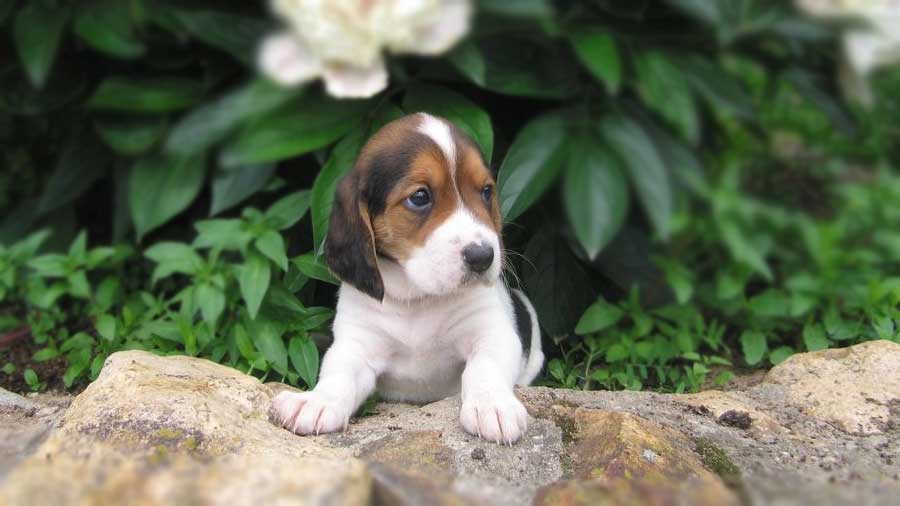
[{"x": 350, "y": 244}]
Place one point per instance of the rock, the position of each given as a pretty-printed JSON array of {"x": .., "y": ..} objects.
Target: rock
[
  {"x": 175, "y": 430},
  {"x": 734, "y": 418},
  {"x": 719, "y": 403},
  {"x": 620, "y": 458},
  {"x": 10, "y": 401},
  {"x": 856, "y": 389}
]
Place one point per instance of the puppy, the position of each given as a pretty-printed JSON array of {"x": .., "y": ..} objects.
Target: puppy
[{"x": 422, "y": 311}]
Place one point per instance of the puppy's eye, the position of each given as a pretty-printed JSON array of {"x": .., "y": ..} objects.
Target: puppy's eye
[
  {"x": 419, "y": 200},
  {"x": 486, "y": 193}
]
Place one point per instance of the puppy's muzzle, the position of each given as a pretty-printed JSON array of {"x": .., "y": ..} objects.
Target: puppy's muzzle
[{"x": 478, "y": 257}]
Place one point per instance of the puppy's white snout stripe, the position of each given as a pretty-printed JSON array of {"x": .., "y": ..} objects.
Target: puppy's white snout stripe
[{"x": 439, "y": 132}]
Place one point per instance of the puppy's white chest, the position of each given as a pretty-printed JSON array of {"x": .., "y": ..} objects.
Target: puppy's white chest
[
  {"x": 423, "y": 365},
  {"x": 420, "y": 377}
]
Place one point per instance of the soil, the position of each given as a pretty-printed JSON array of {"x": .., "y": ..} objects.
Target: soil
[{"x": 19, "y": 353}]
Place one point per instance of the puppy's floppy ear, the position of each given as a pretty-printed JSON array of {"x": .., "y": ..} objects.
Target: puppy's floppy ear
[{"x": 350, "y": 244}]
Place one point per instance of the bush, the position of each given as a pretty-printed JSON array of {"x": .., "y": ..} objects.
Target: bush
[{"x": 686, "y": 189}]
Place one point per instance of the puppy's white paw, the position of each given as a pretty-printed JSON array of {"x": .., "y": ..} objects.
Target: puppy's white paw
[
  {"x": 310, "y": 413},
  {"x": 496, "y": 417}
]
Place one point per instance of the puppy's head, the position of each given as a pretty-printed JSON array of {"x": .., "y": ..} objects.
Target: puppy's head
[{"x": 419, "y": 201}]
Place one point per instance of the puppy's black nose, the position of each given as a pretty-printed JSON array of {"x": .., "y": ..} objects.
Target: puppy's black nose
[{"x": 478, "y": 257}]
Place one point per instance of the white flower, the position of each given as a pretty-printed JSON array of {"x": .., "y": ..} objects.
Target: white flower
[
  {"x": 343, "y": 41},
  {"x": 865, "y": 48}
]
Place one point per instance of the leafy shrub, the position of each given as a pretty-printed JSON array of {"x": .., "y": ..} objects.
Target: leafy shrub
[{"x": 715, "y": 201}]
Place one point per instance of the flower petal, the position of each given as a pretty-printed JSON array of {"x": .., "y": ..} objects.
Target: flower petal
[
  {"x": 447, "y": 28},
  {"x": 287, "y": 60},
  {"x": 346, "y": 81}
]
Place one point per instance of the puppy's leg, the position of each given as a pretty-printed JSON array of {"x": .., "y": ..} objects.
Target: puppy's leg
[
  {"x": 490, "y": 409},
  {"x": 346, "y": 380}
]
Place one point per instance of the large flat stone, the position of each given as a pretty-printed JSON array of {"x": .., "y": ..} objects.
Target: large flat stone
[
  {"x": 178, "y": 430},
  {"x": 856, "y": 389}
]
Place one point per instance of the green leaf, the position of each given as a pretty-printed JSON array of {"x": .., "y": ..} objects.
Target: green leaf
[
  {"x": 771, "y": 303},
  {"x": 840, "y": 329},
  {"x": 211, "y": 301},
  {"x": 663, "y": 87},
  {"x": 145, "y": 95},
  {"x": 311, "y": 266},
  {"x": 557, "y": 369},
  {"x": 595, "y": 194},
  {"x": 299, "y": 127},
  {"x": 459, "y": 110},
  {"x": 211, "y": 122},
  {"x": 288, "y": 210},
  {"x": 29, "y": 246},
  {"x": 236, "y": 34},
  {"x": 526, "y": 66},
  {"x": 81, "y": 163},
  {"x": 31, "y": 378},
  {"x": 339, "y": 163},
  {"x": 78, "y": 285},
  {"x": 45, "y": 354},
  {"x": 754, "y": 346},
  {"x": 559, "y": 287},
  {"x": 78, "y": 362},
  {"x": 532, "y": 164},
  {"x": 599, "y": 315},
  {"x": 97, "y": 366},
  {"x": 106, "y": 26},
  {"x": 271, "y": 244},
  {"x": 780, "y": 354},
  {"x": 617, "y": 353},
  {"x": 131, "y": 137},
  {"x": 717, "y": 87},
  {"x": 8, "y": 368},
  {"x": 106, "y": 327},
  {"x": 305, "y": 358},
  {"x": 645, "y": 169},
  {"x": 680, "y": 280},
  {"x": 596, "y": 49},
  {"x": 79, "y": 341},
  {"x": 37, "y": 31},
  {"x": 467, "y": 58},
  {"x": 222, "y": 234},
  {"x": 253, "y": 276},
  {"x": 159, "y": 188},
  {"x": 814, "y": 337},
  {"x": 52, "y": 265},
  {"x": 266, "y": 336},
  {"x": 107, "y": 293},
  {"x": 173, "y": 257},
  {"x": 232, "y": 187}
]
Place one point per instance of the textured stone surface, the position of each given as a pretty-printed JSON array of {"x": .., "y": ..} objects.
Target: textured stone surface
[
  {"x": 177, "y": 430},
  {"x": 24, "y": 424},
  {"x": 154, "y": 431},
  {"x": 857, "y": 389}
]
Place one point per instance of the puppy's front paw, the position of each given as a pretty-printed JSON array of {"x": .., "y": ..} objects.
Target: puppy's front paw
[
  {"x": 497, "y": 417},
  {"x": 310, "y": 413}
]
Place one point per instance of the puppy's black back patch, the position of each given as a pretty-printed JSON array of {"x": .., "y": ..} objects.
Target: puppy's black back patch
[{"x": 523, "y": 320}]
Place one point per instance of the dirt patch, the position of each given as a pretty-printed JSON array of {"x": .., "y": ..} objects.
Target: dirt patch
[{"x": 19, "y": 354}]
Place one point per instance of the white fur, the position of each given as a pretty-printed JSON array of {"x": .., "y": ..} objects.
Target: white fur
[
  {"x": 420, "y": 351},
  {"x": 439, "y": 132},
  {"x": 437, "y": 267}
]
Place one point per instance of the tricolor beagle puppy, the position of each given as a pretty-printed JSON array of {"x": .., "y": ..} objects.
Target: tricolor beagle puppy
[{"x": 422, "y": 312}]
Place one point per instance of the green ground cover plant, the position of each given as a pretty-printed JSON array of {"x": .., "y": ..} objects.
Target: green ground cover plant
[{"x": 687, "y": 193}]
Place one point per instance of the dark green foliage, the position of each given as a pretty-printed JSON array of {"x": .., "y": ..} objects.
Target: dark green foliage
[{"x": 686, "y": 191}]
